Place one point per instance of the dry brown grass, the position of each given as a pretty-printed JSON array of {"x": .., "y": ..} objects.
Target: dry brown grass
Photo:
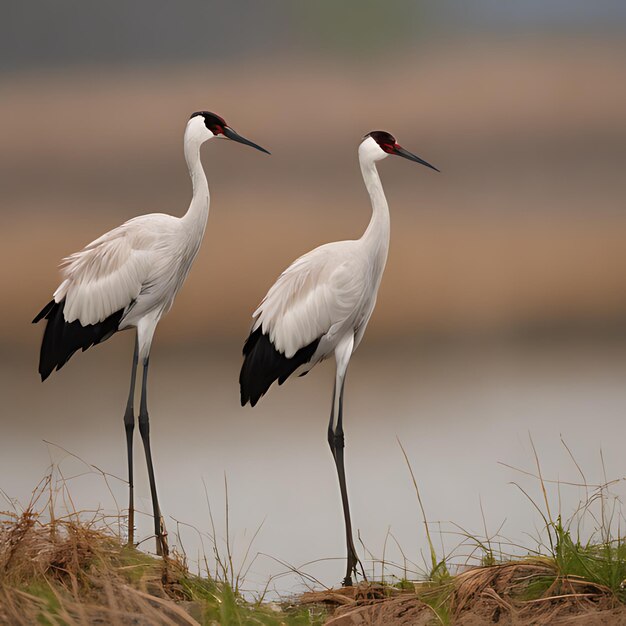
[
  {"x": 71, "y": 571},
  {"x": 506, "y": 594},
  {"x": 530, "y": 592},
  {"x": 74, "y": 569}
]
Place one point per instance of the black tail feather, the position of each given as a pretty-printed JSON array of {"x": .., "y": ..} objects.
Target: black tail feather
[
  {"x": 61, "y": 339},
  {"x": 263, "y": 364}
]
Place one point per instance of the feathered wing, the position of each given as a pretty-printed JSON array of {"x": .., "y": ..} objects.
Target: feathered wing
[
  {"x": 104, "y": 277},
  {"x": 312, "y": 299},
  {"x": 100, "y": 282}
]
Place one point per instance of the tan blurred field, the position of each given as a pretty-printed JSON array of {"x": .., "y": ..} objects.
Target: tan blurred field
[{"x": 524, "y": 226}]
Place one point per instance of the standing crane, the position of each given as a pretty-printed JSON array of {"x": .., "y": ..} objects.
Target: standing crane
[
  {"x": 128, "y": 278},
  {"x": 319, "y": 307}
]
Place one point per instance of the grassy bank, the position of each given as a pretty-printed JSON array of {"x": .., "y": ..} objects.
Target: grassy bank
[
  {"x": 75, "y": 569},
  {"x": 71, "y": 571}
]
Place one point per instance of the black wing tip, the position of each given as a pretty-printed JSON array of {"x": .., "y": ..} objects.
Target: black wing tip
[
  {"x": 62, "y": 339},
  {"x": 251, "y": 401},
  {"x": 263, "y": 365},
  {"x": 246, "y": 398},
  {"x": 44, "y": 312},
  {"x": 243, "y": 398}
]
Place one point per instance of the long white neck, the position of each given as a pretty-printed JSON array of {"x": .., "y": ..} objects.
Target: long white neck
[
  {"x": 198, "y": 211},
  {"x": 376, "y": 236}
]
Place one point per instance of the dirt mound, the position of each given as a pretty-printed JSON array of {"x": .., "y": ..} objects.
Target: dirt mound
[
  {"x": 372, "y": 604},
  {"x": 530, "y": 592},
  {"x": 511, "y": 594}
]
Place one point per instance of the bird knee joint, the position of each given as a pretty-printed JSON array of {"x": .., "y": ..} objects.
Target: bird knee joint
[
  {"x": 144, "y": 425},
  {"x": 129, "y": 419},
  {"x": 338, "y": 440}
]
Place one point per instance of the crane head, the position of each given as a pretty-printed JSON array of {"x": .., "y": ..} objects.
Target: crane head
[
  {"x": 204, "y": 125},
  {"x": 379, "y": 144}
]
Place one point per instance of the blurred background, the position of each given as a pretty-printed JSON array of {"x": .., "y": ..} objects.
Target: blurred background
[{"x": 502, "y": 311}]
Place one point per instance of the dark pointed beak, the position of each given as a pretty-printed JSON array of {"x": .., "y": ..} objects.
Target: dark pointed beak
[
  {"x": 231, "y": 134},
  {"x": 400, "y": 151}
]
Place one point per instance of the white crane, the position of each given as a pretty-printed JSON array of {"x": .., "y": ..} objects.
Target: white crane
[
  {"x": 128, "y": 278},
  {"x": 320, "y": 306}
]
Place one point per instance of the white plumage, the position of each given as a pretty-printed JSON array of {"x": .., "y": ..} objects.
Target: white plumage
[
  {"x": 320, "y": 306},
  {"x": 128, "y": 278},
  {"x": 323, "y": 294},
  {"x": 138, "y": 267}
]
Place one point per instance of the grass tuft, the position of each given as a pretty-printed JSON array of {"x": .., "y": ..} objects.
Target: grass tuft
[{"x": 73, "y": 569}]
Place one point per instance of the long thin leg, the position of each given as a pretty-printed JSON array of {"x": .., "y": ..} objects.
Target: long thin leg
[
  {"x": 129, "y": 426},
  {"x": 144, "y": 428},
  {"x": 339, "y": 445},
  {"x": 336, "y": 442},
  {"x": 331, "y": 425}
]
